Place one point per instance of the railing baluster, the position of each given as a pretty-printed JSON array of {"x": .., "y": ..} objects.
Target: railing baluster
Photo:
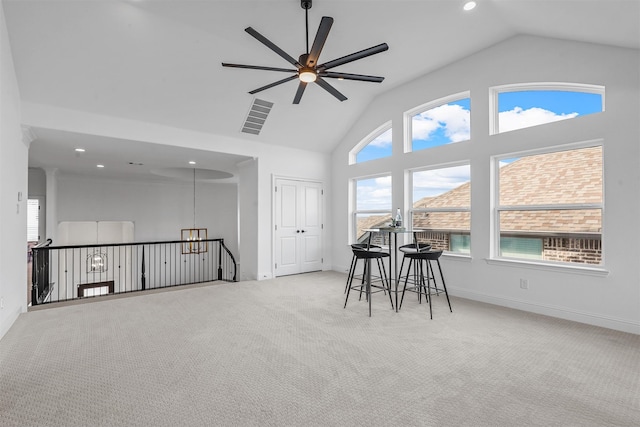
[
  {"x": 120, "y": 267},
  {"x": 142, "y": 280}
]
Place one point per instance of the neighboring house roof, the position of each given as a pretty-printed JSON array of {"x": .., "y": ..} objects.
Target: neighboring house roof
[
  {"x": 375, "y": 221},
  {"x": 458, "y": 197},
  {"x": 563, "y": 177}
]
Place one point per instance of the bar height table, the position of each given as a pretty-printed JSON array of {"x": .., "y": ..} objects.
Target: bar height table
[{"x": 393, "y": 268}]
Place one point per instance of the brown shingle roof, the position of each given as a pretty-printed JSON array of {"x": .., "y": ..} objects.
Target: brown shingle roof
[
  {"x": 375, "y": 221},
  {"x": 563, "y": 177},
  {"x": 458, "y": 197}
]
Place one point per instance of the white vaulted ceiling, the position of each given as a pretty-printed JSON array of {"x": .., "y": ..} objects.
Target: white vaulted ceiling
[{"x": 160, "y": 61}]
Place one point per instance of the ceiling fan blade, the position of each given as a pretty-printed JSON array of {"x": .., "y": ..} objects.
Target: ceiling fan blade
[
  {"x": 279, "y": 82},
  {"x": 299, "y": 92},
  {"x": 348, "y": 76},
  {"x": 318, "y": 42},
  {"x": 265, "y": 41},
  {"x": 333, "y": 91},
  {"x": 258, "y": 67},
  {"x": 353, "y": 57}
]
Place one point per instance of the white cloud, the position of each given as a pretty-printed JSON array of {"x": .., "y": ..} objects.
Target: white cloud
[
  {"x": 383, "y": 181},
  {"x": 439, "y": 181},
  {"x": 382, "y": 140},
  {"x": 519, "y": 118},
  {"x": 453, "y": 118},
  {"x": 374, "y": 193}
]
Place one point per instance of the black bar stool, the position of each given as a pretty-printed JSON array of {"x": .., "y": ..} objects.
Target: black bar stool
[
  {"x": 419, "y": 259},
  {"x": 363, "y": 246},
  {"x": 414, "y": 247},
  {"x": 367, "y": 255}
]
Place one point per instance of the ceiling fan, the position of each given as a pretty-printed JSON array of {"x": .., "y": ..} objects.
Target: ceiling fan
[{"x": 307, "y": 68}]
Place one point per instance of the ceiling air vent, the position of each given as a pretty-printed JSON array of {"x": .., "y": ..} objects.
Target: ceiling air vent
[{"x": 257, "y": 116}]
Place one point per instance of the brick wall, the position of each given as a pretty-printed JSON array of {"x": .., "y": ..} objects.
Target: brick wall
[
  {"x": 563, "y": 249},
  {"x": 437, "y": 240},
  {"x": 575, "y": 250}
]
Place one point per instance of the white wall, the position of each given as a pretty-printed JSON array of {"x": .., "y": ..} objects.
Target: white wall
[
  {"x": 37, "y": 183},
  {"x": 610, "y": 300},
  {"x": 248, "y": 213},
  {"x": 273, "y": 160},
  {"x": 13, "y": 213},
  {"x": 158, "y": 210}
]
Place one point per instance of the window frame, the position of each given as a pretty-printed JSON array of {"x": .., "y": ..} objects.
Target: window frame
[
  {"x": 353, "y": 197},
  {"x": 497, "y": 208},
  {"x": 495, "y": 91},
  {"x": 408, "y": 116},
  {"x": 353, "y": 153},
  {"x": 412, "y": 211}
]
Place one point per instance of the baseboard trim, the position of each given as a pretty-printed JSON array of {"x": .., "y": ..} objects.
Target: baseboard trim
[
  {"x": 549, "y": 310},
  {"x": 8, "y": 322}
]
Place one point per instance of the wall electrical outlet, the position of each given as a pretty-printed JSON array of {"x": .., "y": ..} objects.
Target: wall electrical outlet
[{"x": 524, "y": 284}]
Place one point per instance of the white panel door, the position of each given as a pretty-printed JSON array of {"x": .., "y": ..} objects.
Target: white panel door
[
  {"x": 298, "y": 227},
  {"x": 310, "y": 227}
]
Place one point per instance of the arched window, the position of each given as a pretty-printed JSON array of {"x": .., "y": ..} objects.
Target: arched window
[
  {"x": 376, "y": 145},
  {"x": 439, "y": 122},
  {"x": 525, "y": 105}
]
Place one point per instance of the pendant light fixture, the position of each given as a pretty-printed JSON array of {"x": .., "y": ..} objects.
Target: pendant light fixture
[{"x": 194, "y": 239}]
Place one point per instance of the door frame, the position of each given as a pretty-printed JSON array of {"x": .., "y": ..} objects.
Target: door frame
[{"x": 274, "y": 179}]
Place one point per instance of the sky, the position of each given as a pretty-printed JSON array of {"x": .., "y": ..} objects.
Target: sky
[
  {"x": 450, "y": 123},
  {"x": 442, "y": 125},
  {"x": 430, "y": 183}
]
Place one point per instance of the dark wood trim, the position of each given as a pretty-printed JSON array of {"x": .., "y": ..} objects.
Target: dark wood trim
[{"x": 81, "y": 288}]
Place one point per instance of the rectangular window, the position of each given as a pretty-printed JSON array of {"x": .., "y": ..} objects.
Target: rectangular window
[
  {"x": 372, "y": 205},
  {"x": 550, "y": 205},
  {"x": 442, "y": 207},
  {"x": 33, "y": 220},
  {"x": 460, "y": 243},
  {"x": 521, "y": 247}
]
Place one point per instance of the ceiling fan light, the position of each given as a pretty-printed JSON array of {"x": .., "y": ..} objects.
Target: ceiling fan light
[{"x": 307, "y": 75}]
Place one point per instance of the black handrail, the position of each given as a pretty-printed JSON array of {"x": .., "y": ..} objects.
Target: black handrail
[
  {"x": 78, "y": 271},
  {"x": 233, "y": 262}
]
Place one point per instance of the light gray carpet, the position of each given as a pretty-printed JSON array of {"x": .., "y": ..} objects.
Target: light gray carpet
[{"x": 284, "y": 352}]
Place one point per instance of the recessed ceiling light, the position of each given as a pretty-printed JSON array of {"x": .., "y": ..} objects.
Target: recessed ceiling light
[
  {"x": 191, "y": 162},
  {"x": 99, "y": 166},
  {"x": 80, "y": 150},
  {"x": 470, "y": 5}
]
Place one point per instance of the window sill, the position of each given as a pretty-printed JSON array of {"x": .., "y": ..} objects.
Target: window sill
[
  {"x": 570, "y": 269},
  {"x": 457, "y": 257}
]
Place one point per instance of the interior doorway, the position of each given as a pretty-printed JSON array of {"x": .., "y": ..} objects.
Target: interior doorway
[
  {"x": 35, "y": 233},
  {"x": 298, "y": 226}
]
